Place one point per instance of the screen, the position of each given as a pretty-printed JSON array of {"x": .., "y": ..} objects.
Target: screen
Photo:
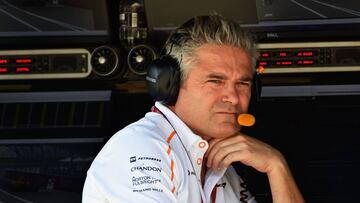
[
  {"x": 269, "y": 19},
  {"x": 275, "y": 10},
  {"x": 42, "y": 18},
  {"x": 169, "y": 14},
  {"x": 309, "y": 18}
]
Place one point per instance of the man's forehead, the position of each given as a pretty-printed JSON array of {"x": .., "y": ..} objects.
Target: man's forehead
[
  {"x": 213, "y": 48},
  {"x": 223, "y": 55}
]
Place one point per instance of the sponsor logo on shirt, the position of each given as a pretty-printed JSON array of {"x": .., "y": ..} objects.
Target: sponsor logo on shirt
[
  {"x": 191, "y": 173},
  {"x": 132, "y": 159},
  {"x": 221, "y": 185},
  {"x": 145, "y": 168},
  {"x": 148, "y": 189},
  {"x": 141, "y": 158},
  {"x": 136, "y": 181},
  {"x": 149, "y": 158}
]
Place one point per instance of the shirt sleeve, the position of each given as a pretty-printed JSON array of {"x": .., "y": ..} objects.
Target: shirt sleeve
[
  {"x": 132, "y": 170},
  {"x": 91, "y": 194}
]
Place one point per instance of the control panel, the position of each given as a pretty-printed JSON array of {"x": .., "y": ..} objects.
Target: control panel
[
  {"x": 309, "y": 57},
  {"x": 44, "y": 64}
]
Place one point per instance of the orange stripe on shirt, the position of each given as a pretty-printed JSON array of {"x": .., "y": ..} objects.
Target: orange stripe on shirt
[
  {"x": 172, "y": 170},
  {"x": 170, "y": 136},
  {"x": 172, "y": 164},
  {"x": 169, "y": 150},
  {"x": 172, "y": 175}
]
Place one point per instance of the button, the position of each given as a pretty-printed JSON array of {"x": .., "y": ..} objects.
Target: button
[
  {"x": 202, "y": 144},
  {"x": 199, "y": 161}
]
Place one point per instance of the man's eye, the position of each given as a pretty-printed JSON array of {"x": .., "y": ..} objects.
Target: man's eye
[
  {"x": 215, "y": 81},
  {"x": 244, "y": 83}
]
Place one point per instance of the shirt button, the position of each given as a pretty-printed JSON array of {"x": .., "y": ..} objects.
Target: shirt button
[
  {"x": 202, "y": 144},
  {"x": 199, "y": 161}
]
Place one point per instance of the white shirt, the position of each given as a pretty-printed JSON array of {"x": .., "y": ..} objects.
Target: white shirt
[{"x": 158, "y": 159}]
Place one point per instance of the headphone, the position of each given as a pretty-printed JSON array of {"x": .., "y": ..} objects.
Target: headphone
[{"x": 164, "y": 77}]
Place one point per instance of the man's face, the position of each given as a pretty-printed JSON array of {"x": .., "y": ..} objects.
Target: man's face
[{"x": 217, "y": 89}]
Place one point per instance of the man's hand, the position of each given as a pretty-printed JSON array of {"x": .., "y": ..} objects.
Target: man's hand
[
  {"x": 262, "y": 157},
  {"x": 247, "y": 150}
]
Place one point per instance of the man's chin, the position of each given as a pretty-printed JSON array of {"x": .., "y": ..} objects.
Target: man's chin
[{"x": 226, "y": 132}]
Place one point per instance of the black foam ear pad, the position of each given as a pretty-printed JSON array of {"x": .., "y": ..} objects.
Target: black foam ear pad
[{"x": 163, "y": 79}]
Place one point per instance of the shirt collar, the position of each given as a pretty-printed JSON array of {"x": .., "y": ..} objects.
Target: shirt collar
[
  {"x": 187, "y": 136},
  {"x": 196, "y": 147}
]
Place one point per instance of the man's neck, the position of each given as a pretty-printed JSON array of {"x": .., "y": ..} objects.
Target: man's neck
[{"x": 204, "y": 137}]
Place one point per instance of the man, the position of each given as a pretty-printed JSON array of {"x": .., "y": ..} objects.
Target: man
[{"x": 183, "y": 150}]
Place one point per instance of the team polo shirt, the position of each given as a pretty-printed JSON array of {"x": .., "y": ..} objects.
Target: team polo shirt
[{"x": 159, "y": 159}]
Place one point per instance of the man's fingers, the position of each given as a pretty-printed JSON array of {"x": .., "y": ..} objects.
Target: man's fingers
[
  {"x": 216, "y": 158},
  {"x": 249, "y": 151},
  {"x": 211, "y": 146},
  {"x": 215, "y": 161},
  {"x": 214, "y": 147}
]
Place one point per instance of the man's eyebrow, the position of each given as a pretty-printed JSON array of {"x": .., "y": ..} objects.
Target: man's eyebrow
[
  {"x": 216, "y": 76},
  {"x": 223, "y": 77}
]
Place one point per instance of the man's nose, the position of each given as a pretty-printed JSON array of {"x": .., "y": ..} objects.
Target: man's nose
[{"x": 231, "y": 94}]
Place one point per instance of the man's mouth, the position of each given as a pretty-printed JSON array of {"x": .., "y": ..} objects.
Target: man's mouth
[{"x": 228, "y": 113}]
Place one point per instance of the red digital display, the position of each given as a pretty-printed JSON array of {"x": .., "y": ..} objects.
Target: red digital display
[
  {"x": 305, "y": 62},
  {"x": 283, "y": 63},
  {"x": 305, "y": 54},
  {"x": 265, "y": 54},
  {"x": 3, "y": 70},
  {"x": 23, "y": 60},
  {"x": 22, "y": 69},
  {"x": 308, "y": 53},
  {"x": 308, "y": 62},
  {"x": 4, "y": 61},
  {"x": 283, "y": 54},
  {"x": 263, "y": 63}
]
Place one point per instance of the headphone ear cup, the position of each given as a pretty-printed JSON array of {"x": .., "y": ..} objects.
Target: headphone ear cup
[
  {"x": 173, "y": 87},
  {"x": 163, "y": 80}
]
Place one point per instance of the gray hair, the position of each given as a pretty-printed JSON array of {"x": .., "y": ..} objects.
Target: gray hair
[{"x": 200, "y": 30}]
